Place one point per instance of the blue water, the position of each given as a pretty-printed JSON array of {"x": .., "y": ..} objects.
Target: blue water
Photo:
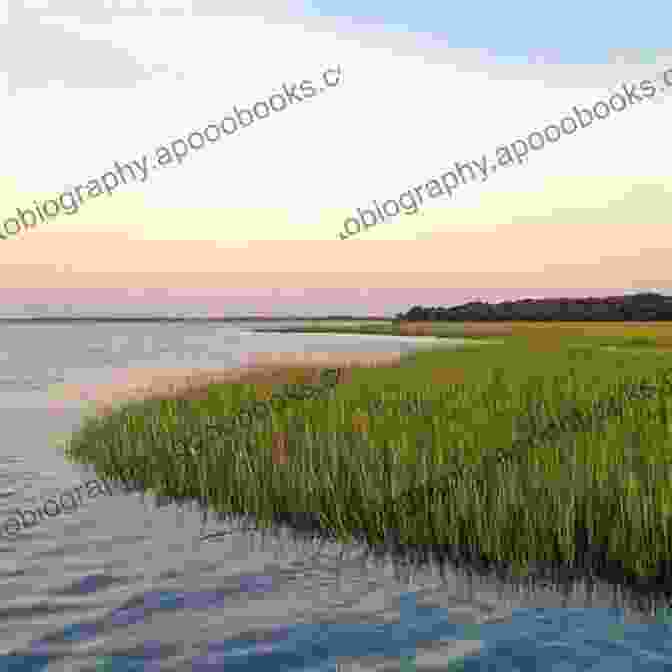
[{"x": 531, "y": 639}]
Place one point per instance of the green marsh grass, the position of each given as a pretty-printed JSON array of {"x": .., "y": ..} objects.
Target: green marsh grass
[{"x": 461, "y": 476}]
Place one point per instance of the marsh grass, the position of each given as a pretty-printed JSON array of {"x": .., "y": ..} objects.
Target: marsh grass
[
  {"x": 474, "y": 330},
  {"x": 595, "y": 495},
  {"x": 535, "y": 331}
]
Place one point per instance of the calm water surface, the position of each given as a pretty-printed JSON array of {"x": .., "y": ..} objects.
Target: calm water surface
[{"x": 126, "y": 582}]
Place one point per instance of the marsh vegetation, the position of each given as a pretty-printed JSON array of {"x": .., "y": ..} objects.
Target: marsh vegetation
[{"x": 481, "y": 472}]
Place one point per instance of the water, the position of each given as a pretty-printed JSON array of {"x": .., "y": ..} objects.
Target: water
[{"x": 126, "y": 582}]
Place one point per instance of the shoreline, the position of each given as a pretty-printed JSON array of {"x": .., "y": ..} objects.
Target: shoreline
[{"x": 144, "y": 384}]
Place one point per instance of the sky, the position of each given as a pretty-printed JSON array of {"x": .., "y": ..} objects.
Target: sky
[{"x": 253, "y": 223}]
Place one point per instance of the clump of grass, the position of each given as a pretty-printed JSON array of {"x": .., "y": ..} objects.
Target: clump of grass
[
  {"x": 605, "y": 485},
  {"x": 645, "y": 341}
]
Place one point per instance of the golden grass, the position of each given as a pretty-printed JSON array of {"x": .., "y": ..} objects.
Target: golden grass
[
  {"x": 459, "y": 328},
  {"x": 626, "y": 329},
  {"x": 265, "y": 372},
  {"x": 448, "y": 376},
  {"x": 548, "y": 336},
  {"x": 516, "y": 328},
  {"x": 360, "y": 422}
]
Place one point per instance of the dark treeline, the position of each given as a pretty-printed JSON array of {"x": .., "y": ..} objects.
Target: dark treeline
[{"x": 638, "y": 307}]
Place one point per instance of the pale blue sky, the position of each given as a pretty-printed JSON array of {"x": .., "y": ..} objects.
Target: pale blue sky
[{"x": 574, "y": 31}]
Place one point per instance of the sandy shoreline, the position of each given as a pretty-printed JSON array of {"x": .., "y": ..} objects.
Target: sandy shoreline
[{"x": 265, "y": 368}]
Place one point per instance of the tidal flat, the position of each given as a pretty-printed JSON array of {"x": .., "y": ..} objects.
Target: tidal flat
[{"x": 591, "y": 500}]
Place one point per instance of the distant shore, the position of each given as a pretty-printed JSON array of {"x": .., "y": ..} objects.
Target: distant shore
[{"x": 141, "y": 318}]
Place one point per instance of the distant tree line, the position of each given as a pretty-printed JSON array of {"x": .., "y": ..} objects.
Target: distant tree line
[{"x": 636, "y": 307}]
